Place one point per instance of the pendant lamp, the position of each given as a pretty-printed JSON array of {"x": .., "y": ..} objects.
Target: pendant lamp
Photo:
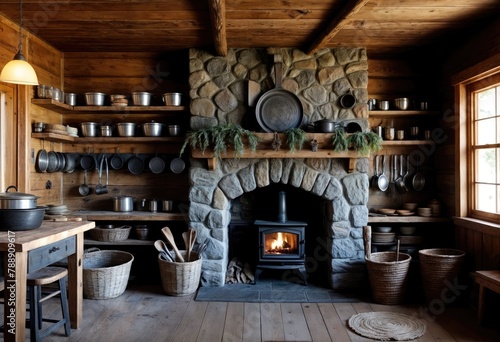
[{"x": 18, "y": 71}]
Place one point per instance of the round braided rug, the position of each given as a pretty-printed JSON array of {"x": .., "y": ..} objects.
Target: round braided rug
[{"x": 387, "y": 326}]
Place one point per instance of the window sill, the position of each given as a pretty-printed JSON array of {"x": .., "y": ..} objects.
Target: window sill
[{"x": 478, "y": 225}]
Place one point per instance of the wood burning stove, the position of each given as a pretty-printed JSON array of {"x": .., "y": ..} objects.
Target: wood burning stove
[{"x": 281, "y": 242}]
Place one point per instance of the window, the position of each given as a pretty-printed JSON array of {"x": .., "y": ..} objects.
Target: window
[{"x": 484, "y": 146}]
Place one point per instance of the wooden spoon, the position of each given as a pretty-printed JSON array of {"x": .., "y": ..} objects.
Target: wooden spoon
[
  {"x": 170, "y": 238},
  {"x": 192, "y": 240},
  {"x": 186, "y": 236},
  {"x": 160, "y": 247}
]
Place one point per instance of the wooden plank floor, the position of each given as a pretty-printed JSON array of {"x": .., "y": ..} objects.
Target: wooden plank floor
[{"x": 144, "y": 313}]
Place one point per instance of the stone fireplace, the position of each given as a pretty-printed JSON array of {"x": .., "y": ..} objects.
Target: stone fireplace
[{"x": 218, "y": 95}]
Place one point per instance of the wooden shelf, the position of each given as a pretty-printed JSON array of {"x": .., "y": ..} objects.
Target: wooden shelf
[
  {"x": 383, "y": 113},
  {"x": 407, "y": 219},
  {"x": 406, "y": 142},
  {"x": 128, "y": 242},
  {"x": 103, "y": 140},
  {"x": 63, "y": 108},
  {"x": 128, "y": 216},
  {"x": 264, "y": 150}
]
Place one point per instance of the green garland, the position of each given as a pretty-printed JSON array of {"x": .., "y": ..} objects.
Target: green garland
[
  {"x": 295, "y": 138},
  {"x": 221, "y": 137}
]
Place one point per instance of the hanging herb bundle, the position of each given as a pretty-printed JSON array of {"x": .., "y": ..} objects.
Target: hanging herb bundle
[
  {"x": 339, "y": 140},
  {"x": 295, "y": 139},
  {"x": 365, "y": 142},
  {"x": 221, "y": 137},
  {"x": 374, "y": 141}
]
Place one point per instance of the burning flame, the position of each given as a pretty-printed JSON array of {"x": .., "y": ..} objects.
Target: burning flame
[{"x": 279, "y": 242}]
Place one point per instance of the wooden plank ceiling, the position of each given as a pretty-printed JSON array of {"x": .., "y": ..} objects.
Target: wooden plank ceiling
[{"x": 382, "y": 26}]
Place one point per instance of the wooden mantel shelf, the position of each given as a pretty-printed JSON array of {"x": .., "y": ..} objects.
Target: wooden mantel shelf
[{"x": 264, "y": 150}]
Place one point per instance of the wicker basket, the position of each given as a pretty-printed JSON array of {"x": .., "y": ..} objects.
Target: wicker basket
[
  {"x": 105, "y": 273},
  {"x": 180, "y": 278},
  {"x": 110, "y": 234},
  {"x": 388, "y": 277},
  {"x": 438, "y": 266}
]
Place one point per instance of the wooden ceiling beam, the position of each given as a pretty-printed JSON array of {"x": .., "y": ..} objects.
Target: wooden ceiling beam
[
  {"x": 335, "y": 25},
  {"x": 217, "y": 10}
]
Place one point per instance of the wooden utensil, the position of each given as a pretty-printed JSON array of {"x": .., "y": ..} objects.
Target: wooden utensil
[
  {"x": 367, "y": 239},
  {"x": 170, "y": 238},
  {"x": 253, "y": 92},
  {"x": 186, "y": 236},
  {"x": 161, "y": 247},
  {"x": 192, "y": 240}
]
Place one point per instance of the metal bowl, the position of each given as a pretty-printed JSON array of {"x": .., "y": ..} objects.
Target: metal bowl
[
  {"x": 94, "y": 99},
  {"x": 152, "y": 129},
  {"x": 172, "y": 99},
  {"x": 402, "y": 103},
  {"x": 174, "y": 130},
  {"x": 141, "y": 98},
  {"x": 126, "y": 129},
  {"x": 89, "y": 129}
]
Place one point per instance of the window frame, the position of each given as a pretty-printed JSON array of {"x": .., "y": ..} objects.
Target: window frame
[
  {"x": 486, "y": 83},
  {"x": 462, "y": 122}
]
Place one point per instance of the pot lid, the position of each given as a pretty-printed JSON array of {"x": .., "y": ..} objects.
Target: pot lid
[{"x": 15, "y": 195}]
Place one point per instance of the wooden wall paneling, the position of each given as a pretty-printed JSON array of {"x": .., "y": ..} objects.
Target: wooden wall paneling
[
  {"x": 490, "y": 253},
  {"x": 116, "y": 73}
]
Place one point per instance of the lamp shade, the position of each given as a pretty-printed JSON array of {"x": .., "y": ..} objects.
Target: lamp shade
[{"x": 19, "y": 71}]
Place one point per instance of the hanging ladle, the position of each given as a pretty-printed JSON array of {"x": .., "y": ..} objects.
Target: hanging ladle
[{"x": 84, "y": 189}]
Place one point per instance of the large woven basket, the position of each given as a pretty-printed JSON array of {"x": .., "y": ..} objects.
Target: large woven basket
[
  {"x": 180, "y": 278},
  {"x": 110, "y": 234},
  {"x": 439, "y": 267},
  {"x": 388, "y": 277},
  {"x": 105, "y": 273}
]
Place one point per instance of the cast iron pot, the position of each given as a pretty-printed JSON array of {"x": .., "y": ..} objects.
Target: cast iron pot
[
  {"x": 17, "y": 200},
  {"x": 326, "y": 126},
  {"x": 21, "y": 219}
]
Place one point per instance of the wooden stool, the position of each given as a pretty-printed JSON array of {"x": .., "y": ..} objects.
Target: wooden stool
[
  {"x": 36, "y": 280},
  {"x": 490, "y": 280}
]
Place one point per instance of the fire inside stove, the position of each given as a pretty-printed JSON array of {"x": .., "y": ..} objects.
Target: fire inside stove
[{"x": 281, "y": 243}]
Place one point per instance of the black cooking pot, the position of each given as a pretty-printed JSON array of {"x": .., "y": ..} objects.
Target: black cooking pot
[
  {"x": 21, "y": 219},
  {"x": 326, "y": 126}
]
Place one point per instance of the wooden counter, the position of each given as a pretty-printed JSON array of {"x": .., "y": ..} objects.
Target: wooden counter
[{"x": 16, "y": 246}]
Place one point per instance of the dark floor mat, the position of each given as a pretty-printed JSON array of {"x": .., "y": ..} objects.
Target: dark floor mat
[{"x": 276, "y": 291}]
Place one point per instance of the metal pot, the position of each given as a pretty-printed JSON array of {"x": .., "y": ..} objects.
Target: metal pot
[
  {"x": 167, "y": 205},
  {"x": 174, "y": 130},
  {"x": 89, "y": 129},
  {"x": 21, "y": 219},
  {"x": 325, "y": 126},
  {"x": 123, "y": 203},
  {"x": 172, "y": 99},
  {"x": 152, "y": 129},
  {"x": 106, "y": 131},
  {"x": 141, "y": 98},
  {"x": 94, "y": 99},
  {"x": 17, "y": 200},
  {"x": 126, "y": 129}
]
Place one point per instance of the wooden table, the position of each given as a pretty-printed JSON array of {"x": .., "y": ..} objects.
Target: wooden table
[
  {"x": 17, "y": 246},
  {"x": 490, "y": 280}
]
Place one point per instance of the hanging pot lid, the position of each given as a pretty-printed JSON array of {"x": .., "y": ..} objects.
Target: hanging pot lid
[{"x": 15, "y": 195}]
